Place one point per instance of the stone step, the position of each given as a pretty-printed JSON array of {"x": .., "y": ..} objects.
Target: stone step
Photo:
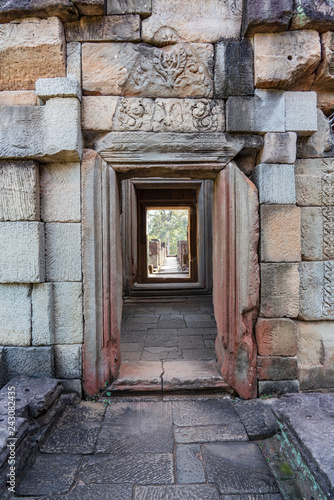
[
  {"x": 169, "y": 376},
  {"x": 307, "y": 441}
]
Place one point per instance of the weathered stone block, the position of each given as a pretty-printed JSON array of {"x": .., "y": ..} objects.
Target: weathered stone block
[
  {"x": 317, "y": 233},
  {"x": 59, "y": 182},
  {"x": 217, "y": 21},
  {"x": 275, "y": 183},
  {"x": 280, "y": 239},
  {"x": 276, "y": 337},
  {"x": 276, "y": 368},
  {"x": 18, "y": 98},
  {"x": 325, "y": 102},
  {"x": 315, "y": 182},
  {"x": 29, "y": 361},
  {"x": 188, "y": 115},
  {"x": 277, "y": 388},
  {"x": 265, "y": 112},
  {"x": 142, "y": 7},
  {"x": 68, "y": 313},
  {"x": 47, "y": 88},
  {"x": 19, "y": 191},
  {"x": 310, "y": 14},
  {"x": 125, "y": 28},
  {"x": 143, "y": 70},
  {"x": 68, "y": 361},
  {"x": 40, "y": 132},
  {"x": 278, "y": 148},
  {"x": 301, "y": 112},
  {"x": 22, "y": 252},
  {"x": 73, "y": 60},
  {"x": 42, "y": 314},
  {"x": 319, "y": 143},
  {"x": 161, "y": 115},
  {"x": 72, "y": 385},
  {"x": 234, "y": 68},
  {"x": 90, "y": 7},
  {"x": 279, "y": 290},
  {"x": 266, "y": 16},
  {"x": 286, "y": 60},
  {"x": 31, "y": 49},
  {"x": 63, "y": 251},
  {"x": 324, "y": 78},
  {"x": 15, "y": 315},
  {"x": 65, "y": 10},
  {"x": 316, "y": 290}
]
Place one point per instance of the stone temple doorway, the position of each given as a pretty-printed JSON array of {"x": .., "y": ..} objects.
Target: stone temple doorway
[{"x": 129, "y": 162}]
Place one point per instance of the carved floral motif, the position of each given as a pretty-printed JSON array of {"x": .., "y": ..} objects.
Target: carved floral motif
[{"x": 131, "y": 114}]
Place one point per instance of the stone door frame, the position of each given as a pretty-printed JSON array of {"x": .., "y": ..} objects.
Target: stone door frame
[{"x": 194, "y": 156}]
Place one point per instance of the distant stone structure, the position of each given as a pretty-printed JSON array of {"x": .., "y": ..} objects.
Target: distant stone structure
[{"x": 239, "y": 93}]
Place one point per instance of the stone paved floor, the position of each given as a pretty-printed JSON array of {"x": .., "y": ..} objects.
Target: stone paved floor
[
  {"x": 175, "y": 448},
  {"x": 179, "y": 329}
]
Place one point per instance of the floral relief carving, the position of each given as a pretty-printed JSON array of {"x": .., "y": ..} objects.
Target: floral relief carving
[
  {"x": 131, "y": 114},
  {"x": 204, "y": 116}
]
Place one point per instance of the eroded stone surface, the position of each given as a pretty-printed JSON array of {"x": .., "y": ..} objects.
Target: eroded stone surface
[
  {"x": 189, "y": 467},
  {"x": 275, "y": 183},
  {"x": 15, "y": 314},
  {"x": 279, "y": 290},
  {"x": 29, "y": 361},
  {"x": 73, "y": 60},
  {"x": 39, "y": 481},
  {"x": 324, "y": 79},
  {"x": 203, "y": 412},
  {"x": 276, "y": 337},
  {"x": 276, "y": 368},
  {"x": 234, "y": 68},
  {"x": 265, "y": 112},
  {"x": 177, "y": 22},
  {"x": 238, "y": 468},
  {"x": 76, "y": 431},
  {"x": 316, "y": 290},
  {"x": 286, "y": 60},
  {"x": 301, "y": 112},
  {"x": 40, "y": 132},
  {"x": 176, "y": 492},
  {"x": 18, "y": 98},
  {"x": 68, "y": 362},
  {"x": 31, "y": 49},
  {"x": 308, "y": 420},
  {"x": 142, "y": 7},
  {"x": 315, "y": 354},
  {"x": 192, "y": 374},
  {"x": 65, "y": 10},
  {"x": 266, "y": 16},
  {"x": 319, "y": 143},
  {"x": 143, "y": 70},
  {"x": 317, "y": 233},
  {"x": 139, "y": 375},
  {"x": 315, "y": 182},
  {"x": 278, "y": 148},
  {"x": 277, "y": 387},
  {"x": 42, "y": 314},
  {"x": 68, "y": 318},
  {"x": 60, "y": 182},
  {"x": 47, "y": 88},
  {"x": 280, "y": 233},
  {"x": 137, "y": 428},
  {"x": 230, "y": 431},
  {"x": 63, "y": 251},
  {"x": 151, "y": 468},
  {"x": 257, "y": 417},
  {"x": 311, "y": 15},
  {"x": 125, "y": 28},
  {"x": 22, "y": 252},
  {"x": 19, "y": 191}
]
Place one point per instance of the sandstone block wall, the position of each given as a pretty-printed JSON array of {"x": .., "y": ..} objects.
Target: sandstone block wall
[{"x": 211, "y": 72}]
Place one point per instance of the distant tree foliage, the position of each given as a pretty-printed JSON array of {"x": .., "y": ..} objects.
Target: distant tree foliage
[{"x": 169, "y": 226}]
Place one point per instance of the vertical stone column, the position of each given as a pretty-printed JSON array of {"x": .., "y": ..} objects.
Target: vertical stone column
[
  {"x": 280, "y": 254},
  {"x": 236, "y": 277},
  {"x": 102, "y": 272}
]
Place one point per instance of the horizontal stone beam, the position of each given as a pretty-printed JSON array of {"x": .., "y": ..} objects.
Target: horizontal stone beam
[
  {"x": 47, "y": 133},
  {"x": 168, "y": 148}
]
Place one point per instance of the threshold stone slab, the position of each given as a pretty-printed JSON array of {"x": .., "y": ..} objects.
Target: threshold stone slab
[
  {"x": 191, "y": 375},
  {"x": 139, "y": 376},
  {"x": 307, "y": 420}
]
